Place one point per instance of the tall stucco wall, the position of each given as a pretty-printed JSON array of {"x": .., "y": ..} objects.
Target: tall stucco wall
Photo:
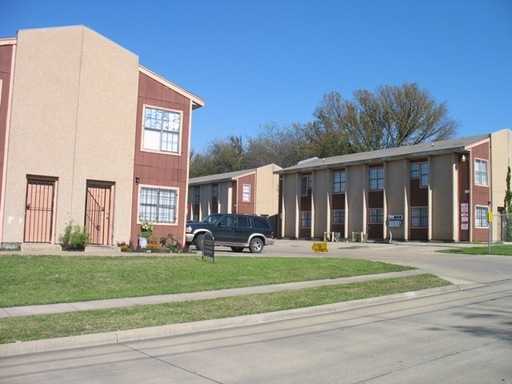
[
  {"x": 73, "y": 119},
  {"x": 267, "y": 190},
  {"x": 395, "y": 181},
  {"x": 444, "y": 212}
]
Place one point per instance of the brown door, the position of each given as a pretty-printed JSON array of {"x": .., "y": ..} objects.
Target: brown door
[
  {"x": 98, "y": 213},
  {"x": 39, "y": 211}
]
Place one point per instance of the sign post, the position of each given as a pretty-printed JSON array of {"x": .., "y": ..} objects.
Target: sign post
[{"x": 208, "y": 246}]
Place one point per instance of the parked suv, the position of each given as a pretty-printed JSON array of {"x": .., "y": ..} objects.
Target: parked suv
[{"x": 232, "y": 230}]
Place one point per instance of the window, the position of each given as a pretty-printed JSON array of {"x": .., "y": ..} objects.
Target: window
[
  {"x": 246, "y": 192},
  {"x": 338, "y": 182},
  {"x": 306, "y": 184},
  {"x": 481, "y": 172},
  {"x": 305, "y": 219},
  {"x": 197, "y": 194},
  {"x": 215, "y": 190},
  {"x": 419, "y": 217},
  {"x": 376, "y": 179},
  {"x": 481, "y": 216},
  {"x": 157, "y": 205},
  {"x": 338, "y": 216},
  {"x": 162, "y": 130},
  {"x": 376, "y": 215},
  {"x": 243, "y": 222},
  {"x": 420, "y": 171}
]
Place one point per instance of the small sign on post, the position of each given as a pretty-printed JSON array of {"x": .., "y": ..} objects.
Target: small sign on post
[
  {"x": 208, "y": 246},
  {"x": 319, "y": 247}
]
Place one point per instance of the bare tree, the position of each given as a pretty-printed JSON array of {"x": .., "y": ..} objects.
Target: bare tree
[{"x": 393, "y": 116}]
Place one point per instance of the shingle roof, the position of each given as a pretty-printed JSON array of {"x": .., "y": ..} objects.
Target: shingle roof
[
  {"x": 410, "y": 151},
  {"x": 220, "y": 177}
]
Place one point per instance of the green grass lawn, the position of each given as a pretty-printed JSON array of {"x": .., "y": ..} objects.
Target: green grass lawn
[
  {"x": 30, "y": 280},
  {"x": 496, "y": 249},
  {"x": 26, "y": 280}
]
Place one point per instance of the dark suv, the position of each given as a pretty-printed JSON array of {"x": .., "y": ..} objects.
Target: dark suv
[{"x": 232, "y": 230}]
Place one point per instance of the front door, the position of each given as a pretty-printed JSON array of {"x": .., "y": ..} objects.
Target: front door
[
  {"x": 98, "y": 213},
  {"x": 39, "y": 212}
]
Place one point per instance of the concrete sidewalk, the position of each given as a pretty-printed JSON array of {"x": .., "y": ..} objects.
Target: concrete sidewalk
[{"x": 205, "y": 295}]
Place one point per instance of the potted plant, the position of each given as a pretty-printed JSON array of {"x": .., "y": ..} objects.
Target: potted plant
[{"x": 146, "y": 229}]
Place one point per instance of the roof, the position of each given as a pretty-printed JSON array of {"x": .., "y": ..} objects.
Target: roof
[
  {"x": 409, "y": 151},
  {"x": 228, "y": 176}
]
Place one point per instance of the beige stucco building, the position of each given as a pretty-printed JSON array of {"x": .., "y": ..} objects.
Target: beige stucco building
[
  {"x": 85, "y": 138},
  {"x": 440, "y": 191}
]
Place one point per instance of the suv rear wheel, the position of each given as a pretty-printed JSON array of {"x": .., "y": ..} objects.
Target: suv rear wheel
[{"x": 256, "y": 245}]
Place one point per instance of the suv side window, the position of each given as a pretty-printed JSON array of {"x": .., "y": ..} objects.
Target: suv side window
[
  {"x": 227, "y": 221},
  {"x": 243, "y": 222},
  {"x": 260, "y": 223}
]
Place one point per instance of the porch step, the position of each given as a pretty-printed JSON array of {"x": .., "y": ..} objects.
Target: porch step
[{"x": 41, "y": 247}]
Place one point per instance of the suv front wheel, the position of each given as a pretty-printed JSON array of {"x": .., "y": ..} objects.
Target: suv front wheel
[{"x": 256, "y": 245}]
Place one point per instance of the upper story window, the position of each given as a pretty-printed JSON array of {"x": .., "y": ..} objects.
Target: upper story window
[
  {"x": 162, "y": 130},
  {"x": 306, "y": 184},
  {"x": 157, "y": 205},
  {"x": 338, "y": 182},
  {"x": 376, "y": 179},
  {"x": 420, "y": 171},
  {"x": 481, "y": 177},
  {"x": 246, "y": 192}
]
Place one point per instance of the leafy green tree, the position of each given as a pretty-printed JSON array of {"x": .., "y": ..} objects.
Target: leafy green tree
[
  {"x": 508, "y": 208},
  {"x": 221, "y": 156}
]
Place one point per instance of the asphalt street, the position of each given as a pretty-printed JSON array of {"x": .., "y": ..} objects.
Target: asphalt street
[{"x": 463, "y": 335}]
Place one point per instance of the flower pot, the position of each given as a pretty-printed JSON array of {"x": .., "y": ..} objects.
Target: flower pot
[{"x": 143, "y": 242}]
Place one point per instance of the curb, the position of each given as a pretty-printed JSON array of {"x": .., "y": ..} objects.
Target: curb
[{"x": 125, "y": 336}]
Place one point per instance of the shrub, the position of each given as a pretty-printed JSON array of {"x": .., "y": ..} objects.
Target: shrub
[{"x": 74, "y": 238}]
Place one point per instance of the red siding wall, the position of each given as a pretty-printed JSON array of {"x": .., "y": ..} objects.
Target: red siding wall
[
  {"x": 156, "y": 169},
  {"x": 481, "y": 194},
  {"x": 247, "y": 207}
]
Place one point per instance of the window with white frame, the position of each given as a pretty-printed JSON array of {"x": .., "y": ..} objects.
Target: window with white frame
[
  {"x": 338, "y": 182},
  {"x": 481, "y": 177},
  {"x": 157, "y": 205},
  {"x": 306, "y": 184},
  {"x": 376, "y": 215},
  {"x": 161, "y": 130},
  {"x": 338, "y": 216},
  {"x": 305, "y": 219},
  {"x": 246, "y": 192},
  {"x": 376, "y": 179},
  {"x": 481, "y": 212},
  {"x": 420, "y": 171},
  {"x": 419, "y": 217}
]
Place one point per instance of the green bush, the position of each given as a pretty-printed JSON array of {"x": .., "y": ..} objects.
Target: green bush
[{"x": 74, "y": 238}]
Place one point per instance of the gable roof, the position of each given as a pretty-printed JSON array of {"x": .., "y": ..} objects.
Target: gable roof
[{"x": 409, "y": 151}]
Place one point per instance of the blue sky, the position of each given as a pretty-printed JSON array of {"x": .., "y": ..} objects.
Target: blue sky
[{"x": 271, "y": 61}]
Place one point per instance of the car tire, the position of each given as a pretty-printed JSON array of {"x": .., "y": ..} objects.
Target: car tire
[
  {"x": 237, "y": 249},
  {"x": 256, "y": 245},
  {"x": 199, "y": 242}
]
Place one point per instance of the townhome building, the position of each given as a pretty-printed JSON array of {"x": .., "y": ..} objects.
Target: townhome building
[
  {"x": 88, "y": 136},
  {"x": 249, "y": 191},
  {"x": 440, "y": 191}
]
